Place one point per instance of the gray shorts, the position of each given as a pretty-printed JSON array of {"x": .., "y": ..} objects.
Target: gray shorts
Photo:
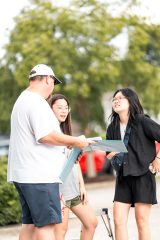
[{"x": 40, "y": 203}]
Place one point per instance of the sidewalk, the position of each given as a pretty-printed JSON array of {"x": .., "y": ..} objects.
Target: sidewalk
[{"x": 100, "y": 196}]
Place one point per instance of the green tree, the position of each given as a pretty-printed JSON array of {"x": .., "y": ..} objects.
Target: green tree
[
  {"x": 8, "y": 93},
  {"x": 140, "y": 67},
  {"x": 76, "y": 42}
]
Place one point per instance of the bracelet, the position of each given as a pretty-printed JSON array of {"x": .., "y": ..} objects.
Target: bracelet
[{"x": 158, "y": 157}]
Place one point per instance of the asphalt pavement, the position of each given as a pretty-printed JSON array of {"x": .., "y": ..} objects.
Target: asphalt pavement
[{"x": 100, "y": 195}]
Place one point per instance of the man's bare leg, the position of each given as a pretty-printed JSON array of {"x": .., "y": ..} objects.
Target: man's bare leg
[
  {"x": 27, "y": 232},
  {"x": 45, "y": 233}
]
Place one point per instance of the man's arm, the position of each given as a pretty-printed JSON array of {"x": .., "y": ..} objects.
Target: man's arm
[{"x": 61, "y": 139}]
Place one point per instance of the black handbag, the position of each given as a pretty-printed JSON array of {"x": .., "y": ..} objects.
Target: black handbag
[{"x": 117, "y": 160}]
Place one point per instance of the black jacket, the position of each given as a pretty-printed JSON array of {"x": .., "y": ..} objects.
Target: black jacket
[{"x": 141, "y": 145}]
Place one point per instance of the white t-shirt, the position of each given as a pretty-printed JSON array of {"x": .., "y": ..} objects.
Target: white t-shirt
[{"x": 29, "y": 161}]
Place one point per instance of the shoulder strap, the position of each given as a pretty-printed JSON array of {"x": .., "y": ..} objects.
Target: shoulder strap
[{"x": 126, "y": 136}]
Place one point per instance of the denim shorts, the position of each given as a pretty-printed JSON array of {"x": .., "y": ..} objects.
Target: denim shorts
[
  {"x": 40, "y": 203},
  {"x": 73, "y": 202}
]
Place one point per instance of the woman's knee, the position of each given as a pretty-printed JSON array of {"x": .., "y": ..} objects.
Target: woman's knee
[
  {"x": 120, "y": 214},
  {"x": 95, "y": 222},
  {"x": 142, "y": 221},
  {"x": 120, "y": 221},
  {"x": 60, "y": 231},
  {"x": 64, "y": 230},
  {"x": 142, "y": 214},
  {"x": 91, "y": 224}
]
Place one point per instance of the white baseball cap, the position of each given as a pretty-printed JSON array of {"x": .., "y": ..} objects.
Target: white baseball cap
[{"x": 42, "y": 69}]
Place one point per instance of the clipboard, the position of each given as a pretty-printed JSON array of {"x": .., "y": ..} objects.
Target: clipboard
[
  {"x": 100, "y": 145},
  {"x": 107, "y": 146},
  {"x": 73, "y": 156}
]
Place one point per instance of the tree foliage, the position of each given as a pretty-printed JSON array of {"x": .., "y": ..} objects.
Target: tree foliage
[
  {"x": 76, "y": 42},
  {"x": 9, "y": 204},
  {"x": 140, "y": 67}
]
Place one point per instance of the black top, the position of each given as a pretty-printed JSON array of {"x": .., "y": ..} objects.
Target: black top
[{"x": 141, "y": 145}]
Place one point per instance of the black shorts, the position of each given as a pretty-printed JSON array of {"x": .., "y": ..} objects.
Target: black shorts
[
  {"x": 40, "y": 203},
  {"x": 139, "y": 189}
]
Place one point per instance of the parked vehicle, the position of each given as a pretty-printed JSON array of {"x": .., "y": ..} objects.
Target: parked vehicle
[{"x": 99, "y": 159}]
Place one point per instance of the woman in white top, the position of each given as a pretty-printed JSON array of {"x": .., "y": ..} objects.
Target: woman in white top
[{"x": 73, "y": 189}]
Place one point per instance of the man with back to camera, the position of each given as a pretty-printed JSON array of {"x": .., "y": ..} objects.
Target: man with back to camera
[{"x": 36, "y": 155}]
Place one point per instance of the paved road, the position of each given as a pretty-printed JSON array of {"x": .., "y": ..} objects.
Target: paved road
[{"x": 100, "y": 196}]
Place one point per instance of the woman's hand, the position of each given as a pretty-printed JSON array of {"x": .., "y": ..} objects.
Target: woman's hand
[
  {"x": 83, "y": 195},
  {"x": 156, "y": 165},
  {"x": 111, "y": 155}
]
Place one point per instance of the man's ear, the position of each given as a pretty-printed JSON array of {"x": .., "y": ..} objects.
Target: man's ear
[{"x": 47, "y": 80}]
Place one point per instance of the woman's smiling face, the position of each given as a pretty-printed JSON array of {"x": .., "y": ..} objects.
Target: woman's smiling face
[
  {"x": 61, "y": 109},
  {"x": 120, "y": 103}
]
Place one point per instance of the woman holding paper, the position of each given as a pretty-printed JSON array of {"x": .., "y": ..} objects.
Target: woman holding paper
[
  {"x": 136, "y": 185},
  {"x": 73, "y": 190}
]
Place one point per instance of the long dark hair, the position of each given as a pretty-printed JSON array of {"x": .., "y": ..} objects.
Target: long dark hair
[
  {"x": 65, "y": 126},
  {"x": 135, "y": 106}
]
